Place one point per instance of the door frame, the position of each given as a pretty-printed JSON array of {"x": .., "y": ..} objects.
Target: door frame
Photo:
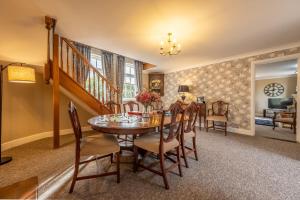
[{"x": 272, "y": 60}]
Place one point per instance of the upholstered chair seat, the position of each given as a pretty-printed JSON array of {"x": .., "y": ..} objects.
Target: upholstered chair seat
[
  {"x": 151, "y": 143},
  {"x": 216, "y": 118},
  {"x": 189, "y": 135},
  {"x": 99, "y": 145}
]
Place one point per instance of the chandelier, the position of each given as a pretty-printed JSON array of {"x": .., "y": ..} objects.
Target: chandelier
[{"x": 169, "y": 46}]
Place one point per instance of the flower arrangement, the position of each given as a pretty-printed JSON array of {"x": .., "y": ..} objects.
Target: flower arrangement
[{"x": 147, "y": 98}]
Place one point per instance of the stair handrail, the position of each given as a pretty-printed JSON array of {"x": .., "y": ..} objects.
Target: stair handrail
[{"x": 85, "y": 60}]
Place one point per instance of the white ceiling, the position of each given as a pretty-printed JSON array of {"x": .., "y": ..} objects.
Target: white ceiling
[
  {"x": 276, "y": 69},
  {"x": 207, "y": 30}
]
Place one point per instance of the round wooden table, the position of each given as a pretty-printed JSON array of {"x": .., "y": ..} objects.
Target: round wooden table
[{"x": 135, "y": 125}]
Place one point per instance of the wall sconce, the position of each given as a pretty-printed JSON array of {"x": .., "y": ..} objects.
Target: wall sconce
[
  {"x": 182, "y": 89},
  {"x": 18, "y": 73}
]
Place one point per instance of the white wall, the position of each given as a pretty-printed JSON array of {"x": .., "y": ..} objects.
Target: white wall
[{"x": 261, "y": 99}]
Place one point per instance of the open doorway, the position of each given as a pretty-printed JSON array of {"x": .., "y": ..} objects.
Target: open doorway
[{"x": 275, "y": 99}]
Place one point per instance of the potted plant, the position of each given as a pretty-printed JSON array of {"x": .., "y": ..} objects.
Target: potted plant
[{"x": 146, "y": 98}]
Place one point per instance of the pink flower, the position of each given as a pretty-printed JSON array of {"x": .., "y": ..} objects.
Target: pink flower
[{"x": 146, "y": 98}]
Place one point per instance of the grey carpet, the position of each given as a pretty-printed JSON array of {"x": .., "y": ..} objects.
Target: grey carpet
[
  {"x": 279, "y": 133},
  {"x": 231, "y": 167}
]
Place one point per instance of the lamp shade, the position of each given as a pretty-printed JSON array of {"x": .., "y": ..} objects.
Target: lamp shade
[
  {"x": 183, "y": 88},
  {"x": 21, "y": 74}
]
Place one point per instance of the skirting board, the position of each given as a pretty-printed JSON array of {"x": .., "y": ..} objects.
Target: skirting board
[
  {"x": 38, "y": 136},
  {"x": 235, "y": 130}
]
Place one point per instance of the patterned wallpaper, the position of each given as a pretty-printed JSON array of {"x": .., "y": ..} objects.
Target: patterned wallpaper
[{"x": 229, "y": 81}]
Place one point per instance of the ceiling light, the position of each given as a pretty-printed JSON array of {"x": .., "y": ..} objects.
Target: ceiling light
[{"x": 170, "y": 46}]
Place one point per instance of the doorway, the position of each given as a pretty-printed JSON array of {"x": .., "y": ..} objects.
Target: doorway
[{"x": 274, "y": 88}]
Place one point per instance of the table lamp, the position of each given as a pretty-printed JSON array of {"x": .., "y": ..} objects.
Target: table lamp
[
  {"x": 182, "y": 89},
  {"x": 18, "y": 73}
]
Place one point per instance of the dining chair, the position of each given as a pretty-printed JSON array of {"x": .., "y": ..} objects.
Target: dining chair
[
  {"x": 218, "y": 113},
  {"x": 131, "y": 106},
  {"x": 114, "y": 107},
  {"x": 189, "y": 132},
  {"x": 92, "y": 148},
  {"x": 162, "y": 142}
]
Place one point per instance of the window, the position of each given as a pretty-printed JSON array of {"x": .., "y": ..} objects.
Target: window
[
  {"x": 96, "y": 61},
  {"x": 129, "y": 89}
]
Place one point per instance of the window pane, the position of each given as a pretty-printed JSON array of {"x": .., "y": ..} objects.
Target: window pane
[
  {"x": 127, "y": 70},
  {"x": 127, "y": 79},
  {"x": 132, "y": 70},
  {"x": 93, "y": 62},
  {"x": 132, "y": 81}
]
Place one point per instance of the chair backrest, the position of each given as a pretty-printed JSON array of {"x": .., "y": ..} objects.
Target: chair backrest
[
  {"x": 220, "y": 108},
  {"x": 75, "y": 122},
  {"x": 131, "y": 105},
  {"x": 175, "y": 125},
  {"x": 192, "y": 113},
  {"x": 114, "y": 107}
]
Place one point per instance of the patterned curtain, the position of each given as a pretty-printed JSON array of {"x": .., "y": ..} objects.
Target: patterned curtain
[
  {"x": 120, "y": 73},
  {"x": 139, "y": 74},
  {"x": 107, "y": 64},
  {"x": 81, "y": 71}
]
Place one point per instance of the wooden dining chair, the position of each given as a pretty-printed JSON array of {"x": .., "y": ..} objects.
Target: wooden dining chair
[
  {"x": 218, "y": 113},
  {"x": 114, "y": 107},
  {"x": 162, "y": 142},
  {"x": 131, "y": 106},
  {"x": 189, "y": 131},
  {"x": 95, "y": 146}
]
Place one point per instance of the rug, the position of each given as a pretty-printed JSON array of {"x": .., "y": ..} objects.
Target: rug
[{"x": 263, "y": 121}]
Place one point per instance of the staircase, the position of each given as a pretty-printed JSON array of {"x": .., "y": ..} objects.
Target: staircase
[
  {"x": 86, "y": 82},
  {"x": 68, "y": 68}
]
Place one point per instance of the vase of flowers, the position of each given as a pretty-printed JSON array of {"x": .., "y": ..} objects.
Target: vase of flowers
[{"x": 146, "y": 99}]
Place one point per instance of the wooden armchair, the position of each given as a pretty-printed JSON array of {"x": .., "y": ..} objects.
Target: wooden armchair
[
  {"x": 113, "y": 107},
  {"x": 163, "y": 142},
  {"x": 285, "y": 118},
  {"x": 218, "y": 113},
  {"x": 96, "y": 146},
  {"x": 131, "y": 106}
]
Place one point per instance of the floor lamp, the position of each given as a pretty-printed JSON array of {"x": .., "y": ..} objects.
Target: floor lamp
[{"x": 18, "y": 73}]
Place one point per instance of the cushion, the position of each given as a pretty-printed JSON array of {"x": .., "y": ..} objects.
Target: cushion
[
  {"x": 151, "y": 142},
  {"x": 189, "y": 135},
  {"x": 216, "y": 118},
  {"x": 101, "y": 144}
]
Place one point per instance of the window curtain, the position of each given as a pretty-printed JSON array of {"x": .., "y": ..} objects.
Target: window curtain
[
  {"x": 120, "y": 73},
  {"x": 81, "y": 71},
  {"x": 138, "y": 65},
  {"x": 107, "y": 64}
]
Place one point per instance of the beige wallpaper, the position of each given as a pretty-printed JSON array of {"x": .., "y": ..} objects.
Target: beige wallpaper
[
  {"x": 228, "y": 81},
  {"x": 261, "y": 99},
  {"x": 27, "y": 109}
]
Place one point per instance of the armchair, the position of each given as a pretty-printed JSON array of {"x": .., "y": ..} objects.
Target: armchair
[
  {"x": 218, "y": 113},
  {"x": 285, "y": 118}
]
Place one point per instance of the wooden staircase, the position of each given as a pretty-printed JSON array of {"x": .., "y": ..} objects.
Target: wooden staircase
[{"x": 71, "y": 70}]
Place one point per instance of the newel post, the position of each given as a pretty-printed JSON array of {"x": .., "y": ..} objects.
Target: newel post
[{"x": 55, "y": 92}]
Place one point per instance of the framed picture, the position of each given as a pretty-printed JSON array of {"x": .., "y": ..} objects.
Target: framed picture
[{"x": 200, "y": 99}]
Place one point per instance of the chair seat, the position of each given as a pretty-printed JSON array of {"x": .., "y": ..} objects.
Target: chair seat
[
  {"x": 151, "y": 143},
  {"x": 189, "y": 135},
  {"x": 285, "y": 120},
  {"x": 216, "y": 118},
  {"x": 100, "y": 144}
]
